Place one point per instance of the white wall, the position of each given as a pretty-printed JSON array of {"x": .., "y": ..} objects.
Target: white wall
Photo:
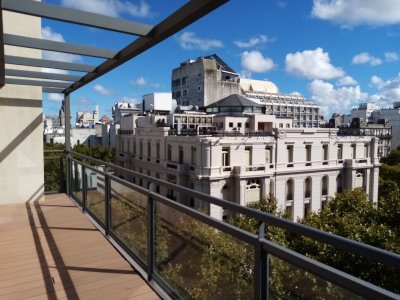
[{"x": 21, "y": 131}]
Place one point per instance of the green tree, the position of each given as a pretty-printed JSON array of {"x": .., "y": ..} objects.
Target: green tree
[
  {"x": 54, "y": 164},
  {"x": 352, "y": 215}
]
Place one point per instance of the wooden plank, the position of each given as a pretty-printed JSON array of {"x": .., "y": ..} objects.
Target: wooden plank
[{"x": 48, "y": 249}]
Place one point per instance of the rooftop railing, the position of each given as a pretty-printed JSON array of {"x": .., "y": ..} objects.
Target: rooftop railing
[{"x": 184, "y": 253}]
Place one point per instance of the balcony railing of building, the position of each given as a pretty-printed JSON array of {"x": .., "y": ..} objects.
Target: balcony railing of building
[
  {"x": 174, "y": 246},
  {"x": 219, "y": 133}
]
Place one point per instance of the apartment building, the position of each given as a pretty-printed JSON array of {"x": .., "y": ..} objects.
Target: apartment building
[
  {"x": 201, "y": 82},
  {"x": 244, "y": 157}
]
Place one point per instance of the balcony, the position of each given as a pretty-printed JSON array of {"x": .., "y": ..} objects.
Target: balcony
[
  {"x": 164, "y": 239},
  {"x": 49, "y": 250}
]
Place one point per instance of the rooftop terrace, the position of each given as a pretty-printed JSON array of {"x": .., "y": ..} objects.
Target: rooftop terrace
[{"x": 48, "y": 249}]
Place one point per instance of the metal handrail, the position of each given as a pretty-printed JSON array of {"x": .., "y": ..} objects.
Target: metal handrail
[
  {"x": 379, "y": 255},
  {"x": 321, "y": 270}
]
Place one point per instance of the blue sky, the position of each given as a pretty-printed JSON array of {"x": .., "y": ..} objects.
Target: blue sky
[{"x": 338, "y": 53}]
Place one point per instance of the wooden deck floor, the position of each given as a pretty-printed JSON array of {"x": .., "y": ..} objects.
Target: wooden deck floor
[{"x": 49, "y": 250}]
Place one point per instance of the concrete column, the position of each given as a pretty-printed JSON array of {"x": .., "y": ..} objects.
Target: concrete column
[
  {"x": 215, "y": 210},
  {"x": 21, "y": 129},
  {"x": 242, "y": 192},
  {"x": 316, "y": 193},
  {"x": 298, "y": 199},
  {"x": 367, "y": 181},
  {"x": 373, "y": 183}
]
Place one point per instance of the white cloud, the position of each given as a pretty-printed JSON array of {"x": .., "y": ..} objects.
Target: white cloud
[
  {"x": 141, "y": 81},
  {"x": 112, "y": 8},
  {"x": 254, "y": 61},
  {"x": 312, "y": 64},
  {"x": 365, "y": 58},
  {"x": 333, "y": 99},
  {"x": 358, "y": 12},
  {"x": 190, "y": 41},
  {"x": 388, "y": 91},
  {"x": 49, "y": 34},
  {"x": 254, "y": 41},
  {"x": 346, "y": 80},
  {"x": 102, "y": 90},
  {"x": 391, "y": 56},
  {"x": 55, "y": 97}
]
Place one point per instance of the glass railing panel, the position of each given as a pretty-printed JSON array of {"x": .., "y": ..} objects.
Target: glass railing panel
[
  {"x": 199, "y": 261},
  {"x": 287, "y": 281},
  {"x": 77, "y": 182},
  {"x": 129, "y": 218},
  {"x": 96, "y": 194}
]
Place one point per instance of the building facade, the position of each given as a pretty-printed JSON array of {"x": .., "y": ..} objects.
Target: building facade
[
  {"x": 87, "y": 119},
  {"x": 201, "y": 82},
  {"x": 381, "y": 130},
  {"x": 301, "y": 167}
]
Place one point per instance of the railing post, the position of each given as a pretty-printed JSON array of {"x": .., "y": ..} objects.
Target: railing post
[
  {"x": 84, "y": 188},
  {"x": 69, "y": 172},
  {"x": 62, "y": 175},
  {"x": 107, "y": 208},
  {"x": 151, "y": 215},
  {"x": 261, "y": 276},
  {"x": 67, "y": 120}
]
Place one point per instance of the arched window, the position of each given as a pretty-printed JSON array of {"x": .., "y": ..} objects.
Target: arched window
[
  {"x": 289, "y": 189},
  {"x": 324, "y": 186},
  {"x": 307, "y": 187},
  {"x": 339, "y": 183}
]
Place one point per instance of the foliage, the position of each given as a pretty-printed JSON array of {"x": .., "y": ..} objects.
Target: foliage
[
  {"x": 352, "y": 215},
  {"x": 393, "y": 158},
  {"x": 54, "y": 164},
  {"x": 98, "y": 152}
]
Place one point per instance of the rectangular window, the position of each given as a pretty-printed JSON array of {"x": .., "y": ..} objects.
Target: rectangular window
[
  {"x": 268, "y": 155},
  {"x": 230, "y": 124},
  {"x": 180, "y": 154},
  {"x": 225, "y": 157},
  {"x": 148, "y": 149},
  {"x": 366, "y": 150},
  {"x": 169, "y": 153},
  {"x": 239, "y": 125},
  {"x": 141, "y": 148},
  {"x": 340, "y": 151},
  {"x": 290, "y": 154},
  {"x": 308, "y": 152},
  {"x": 325, "y": 153},
  {"x": 185, "y": 93},
  {"x": 193, "y": 156},
  {"x": 354, "y": 151},
  {"x": 248, "y": 158},
  {"x": 247, "y": 125},
  {"x": 158, "y": 151},
  {"x": 184, "y": 80}
]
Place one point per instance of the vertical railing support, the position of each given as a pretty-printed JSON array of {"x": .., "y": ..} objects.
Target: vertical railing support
[
  {"x": 84, "y": 188},
  {"x": 62, "y": 175},
  {"x": 107, "y": 207},
  {"x": 261, "y": 267},
  {"x": 151, "y": 216},
  {"x": 67, "y": 117}
]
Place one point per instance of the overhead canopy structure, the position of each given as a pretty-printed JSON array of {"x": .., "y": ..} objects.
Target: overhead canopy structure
[{"x": 146, "y": 36}]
